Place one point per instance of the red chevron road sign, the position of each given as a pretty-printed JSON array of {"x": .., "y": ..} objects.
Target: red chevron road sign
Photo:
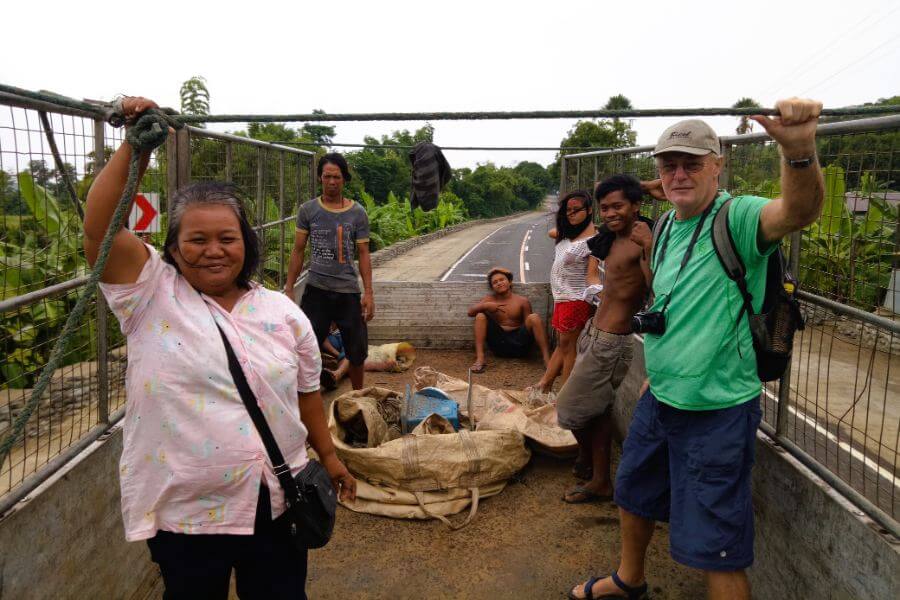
[{"x": 144, "y": 216}]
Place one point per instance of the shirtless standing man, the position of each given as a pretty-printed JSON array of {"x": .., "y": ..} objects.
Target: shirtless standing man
[
  {"x": 506, "y": 322},
  {"x": 605, "y": 347}
]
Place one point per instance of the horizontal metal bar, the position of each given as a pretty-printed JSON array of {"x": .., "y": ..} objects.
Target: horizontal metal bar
[
  {"x": 31, "y": 297},
  {"x": 273, "y": 223},
  {"x": 870, "y": 125},
  {"x": 866, "y": 505},
  {"x": 408, "y": 147},
  {"x": 30, "y": 483},
  {"x": 228, "y": 137},
  {"x": 28, "y": 103},
  {"x": 851, "y": 311}
]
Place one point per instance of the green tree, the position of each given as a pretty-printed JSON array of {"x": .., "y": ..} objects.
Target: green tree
[
  {"x": 195, "y": 97},
  {"x": 745, "y": 125}
]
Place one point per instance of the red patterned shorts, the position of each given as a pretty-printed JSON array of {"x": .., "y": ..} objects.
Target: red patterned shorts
[{"x": 571, "y": 316}]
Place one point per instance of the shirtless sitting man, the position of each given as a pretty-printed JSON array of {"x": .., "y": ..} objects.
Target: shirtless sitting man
[
  {"x": 605, "y": 346},
  {"x": 506, "y": 322}
]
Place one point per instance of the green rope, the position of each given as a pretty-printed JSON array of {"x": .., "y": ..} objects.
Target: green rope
[
  {"x": 106, "y": 112},
  {"x": 148, "y": 132},
  {"x": 534, "y": 114}
]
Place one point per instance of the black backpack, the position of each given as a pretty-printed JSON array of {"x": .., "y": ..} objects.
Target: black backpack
[{"x": 772, "y": 329}]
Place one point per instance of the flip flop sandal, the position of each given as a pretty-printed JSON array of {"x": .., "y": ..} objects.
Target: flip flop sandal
[
  {"x": 631, "y": 593},
  {"x": 587, "y": 496},
  {"x": 480, "y": 369},
  {"x": 582, "y": 471}
]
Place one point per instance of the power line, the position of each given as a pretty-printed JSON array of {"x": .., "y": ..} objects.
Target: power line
[
  {"x": 866, "y": 55},
  {"x": 823, "y": 52}
]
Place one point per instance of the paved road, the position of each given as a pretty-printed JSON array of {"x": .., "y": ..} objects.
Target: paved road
[{"x": 522, "y": 247}]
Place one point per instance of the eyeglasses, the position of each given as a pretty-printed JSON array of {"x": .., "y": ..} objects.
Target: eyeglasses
[
  {"x": 570, "y": 212},
  {"x": 692, "y": 167}
]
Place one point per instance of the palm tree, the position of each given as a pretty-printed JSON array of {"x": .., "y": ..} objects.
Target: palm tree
[
  {"x": 618, "y": 102},
  {"x": 745, "y": 125}
]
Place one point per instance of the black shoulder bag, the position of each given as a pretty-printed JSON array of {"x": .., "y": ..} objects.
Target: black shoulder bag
[{"x": 310, "y": 498}]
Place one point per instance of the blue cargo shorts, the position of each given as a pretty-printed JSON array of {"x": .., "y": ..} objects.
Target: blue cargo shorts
[{"x": 692, "y": 469}]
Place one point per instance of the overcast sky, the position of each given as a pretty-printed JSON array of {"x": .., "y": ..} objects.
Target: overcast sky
[{"x": 348, "y": 56}]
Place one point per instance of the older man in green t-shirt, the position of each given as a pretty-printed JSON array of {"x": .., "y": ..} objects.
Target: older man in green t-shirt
[{"x": 689, "y": 450}]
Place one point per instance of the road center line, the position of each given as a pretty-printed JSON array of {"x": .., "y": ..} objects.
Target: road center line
[
  {"x": 466, "y": 255},
  {"x": 524, "y": 247}
]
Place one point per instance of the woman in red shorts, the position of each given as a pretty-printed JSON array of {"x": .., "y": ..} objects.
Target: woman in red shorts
[{"x": 574, "y": 225}]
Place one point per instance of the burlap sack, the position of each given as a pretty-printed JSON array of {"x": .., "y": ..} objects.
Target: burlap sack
[
  {"x": 443, "y": 473},
  {"x": 503, "y": 409}
]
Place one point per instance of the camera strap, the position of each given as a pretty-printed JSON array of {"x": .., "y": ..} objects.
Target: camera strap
[{"x": 687, "y": 252}]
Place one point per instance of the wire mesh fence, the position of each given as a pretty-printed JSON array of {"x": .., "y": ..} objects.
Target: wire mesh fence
[
  {"x": 44, "y": 268},
  {"x": 842, "y": 399}
]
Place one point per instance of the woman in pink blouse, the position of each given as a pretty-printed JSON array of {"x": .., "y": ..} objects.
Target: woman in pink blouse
[{"x": 195, "y": 478}]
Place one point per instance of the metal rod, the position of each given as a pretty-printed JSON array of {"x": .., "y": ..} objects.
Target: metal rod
[
  {"x": 273, "y": 223},
  {"x": 823, "y": 130},
  {"x": 563, "y": 174},
  {"x": 16, "y": 302},
  {"x": 281, "y": 214},
  {"x": 28, "y": 103},
  {"x": 60, "y": 166},
  {"x": 875, "y": 513},
  {"x": 851, "y": 311},
  {"x": 229, "y": 162},
  {"x": 227, "y": 137},
  {"x": 261, "y": 155},
  {"x": 469, "y": 403},
  {"x": 102, "y": 359},
  {"x": 784, "y": 384},
  {"x": 407, "y": 147},
  {"x": 30, "y": 483}
]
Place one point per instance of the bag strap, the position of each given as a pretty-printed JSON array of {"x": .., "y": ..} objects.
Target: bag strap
[
  {"x": 280, "y": 466},
  {"x": 657, "y": 231},
  {"x": 729, "y": 258}
]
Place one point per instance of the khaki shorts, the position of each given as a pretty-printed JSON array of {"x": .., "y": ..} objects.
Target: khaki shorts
[{"x": 603, "y": 360}]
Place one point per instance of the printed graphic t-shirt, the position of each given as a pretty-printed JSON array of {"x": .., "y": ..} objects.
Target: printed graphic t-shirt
[{"x": 333, "y": 235}]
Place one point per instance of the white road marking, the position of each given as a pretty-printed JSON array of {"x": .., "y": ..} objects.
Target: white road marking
[
  {"x": 526, "y": 248},
  {"x": 471, "y": 274},
  {"x": 854, "y": 453},
  {"x": 522, "y": 268},
  {"x": 471, "y": 250},
  {"x": 527, "y": 267}
]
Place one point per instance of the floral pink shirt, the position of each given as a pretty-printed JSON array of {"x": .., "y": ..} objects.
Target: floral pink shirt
[{"x": 192, "y": 460}]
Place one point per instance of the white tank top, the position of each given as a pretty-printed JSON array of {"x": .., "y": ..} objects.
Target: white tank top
[{"x": 568, "y": 276}]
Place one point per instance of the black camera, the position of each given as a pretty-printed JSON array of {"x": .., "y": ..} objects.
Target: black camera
[{"x": 649, "y": 322}]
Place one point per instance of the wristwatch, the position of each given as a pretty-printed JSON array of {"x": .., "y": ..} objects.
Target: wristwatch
[{"x": 800, "y": 163}]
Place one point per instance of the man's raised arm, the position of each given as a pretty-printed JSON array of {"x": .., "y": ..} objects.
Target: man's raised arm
[{"x": 802, "y": 184}]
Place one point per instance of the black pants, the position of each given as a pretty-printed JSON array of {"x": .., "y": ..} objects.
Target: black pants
[
  {"x": 266, "y": 564},
  {"x": 323, "y": 307}
]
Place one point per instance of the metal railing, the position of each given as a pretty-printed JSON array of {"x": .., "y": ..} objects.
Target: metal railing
[
  {"x": 838, "y": 406},
  {"x": 43, "y": 265}
]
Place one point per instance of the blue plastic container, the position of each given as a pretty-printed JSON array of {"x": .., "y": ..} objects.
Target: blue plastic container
[{"x": 425, "y": 402}]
